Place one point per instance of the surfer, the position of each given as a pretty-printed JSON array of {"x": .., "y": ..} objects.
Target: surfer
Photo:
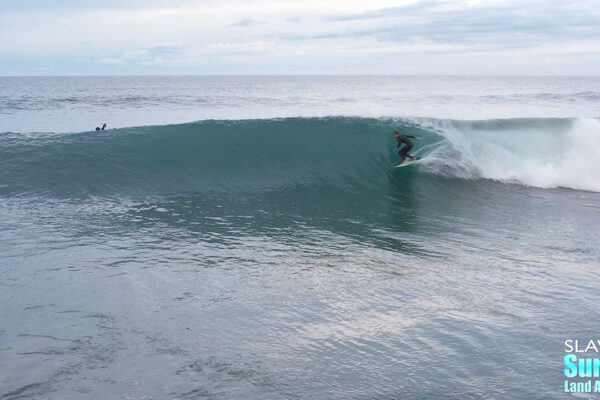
[
  {"x": 405, "y": 139},
  {"x": 103, "y": 127}
]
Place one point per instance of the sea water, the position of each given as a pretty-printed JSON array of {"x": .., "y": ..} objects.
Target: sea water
[{"x": 248, "y": 238}]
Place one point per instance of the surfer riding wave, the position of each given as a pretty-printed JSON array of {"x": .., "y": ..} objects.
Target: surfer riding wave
[{"x": 408, "y": 145}]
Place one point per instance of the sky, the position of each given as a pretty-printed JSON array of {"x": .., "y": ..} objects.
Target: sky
[{"x": 438, "y": 37}]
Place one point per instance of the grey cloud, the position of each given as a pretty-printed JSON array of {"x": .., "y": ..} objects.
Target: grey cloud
[
  {"x": 149, "y": 54},
  {"x": 417, "y": 8},
  {"x": 527, "y": 22},
  {"x": 295, "y": 19},
  {"x": 246, "y": 22}
]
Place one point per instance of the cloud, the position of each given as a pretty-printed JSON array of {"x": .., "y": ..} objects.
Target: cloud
[
  {"x": 518, "y": 22},
  {"x": 173, "y": 54},
  {"x": 237, "y": 48},
  {"x": 284, "y": 36},
  {"x": 147, "y": 55},
  {"x": 108, "y": 60},
  {"x": 296, "y": 19},
  {"x": 246, "y": 22}
]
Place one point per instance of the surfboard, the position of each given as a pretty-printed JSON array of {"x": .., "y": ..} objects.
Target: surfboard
[{"x": 407, "y": 164}]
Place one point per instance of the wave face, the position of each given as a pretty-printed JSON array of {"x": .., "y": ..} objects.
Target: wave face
[{"x": 248, "y": 155}]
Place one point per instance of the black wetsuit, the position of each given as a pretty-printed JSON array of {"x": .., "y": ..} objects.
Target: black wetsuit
[{"x": 405, "y": 139}]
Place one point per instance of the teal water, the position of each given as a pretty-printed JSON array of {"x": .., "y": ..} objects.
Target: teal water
[
  {"x": 288, "y": 259},
  {"x": 257, "y": 154}
]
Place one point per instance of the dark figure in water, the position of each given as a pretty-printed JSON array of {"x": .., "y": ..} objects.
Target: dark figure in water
[
  {"x": 405, "y": 139},
  {"x": 103, "y": 127}
]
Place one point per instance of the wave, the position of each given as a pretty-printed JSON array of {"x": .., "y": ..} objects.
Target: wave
[
  {"x": 355, "y": 154},
  {"x": 544, "y": 153}
]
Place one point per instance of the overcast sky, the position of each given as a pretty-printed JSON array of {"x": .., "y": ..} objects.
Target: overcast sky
[{"x": 539, "y": 37}]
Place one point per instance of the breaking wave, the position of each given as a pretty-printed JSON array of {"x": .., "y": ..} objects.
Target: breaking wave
[{"x": 248, "y": 155}]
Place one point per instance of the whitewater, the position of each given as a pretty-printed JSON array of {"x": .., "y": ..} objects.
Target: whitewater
[{"x": 248, "y": 237}]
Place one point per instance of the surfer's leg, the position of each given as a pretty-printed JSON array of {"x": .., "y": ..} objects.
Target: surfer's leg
[{"x": 404, "y": 152}]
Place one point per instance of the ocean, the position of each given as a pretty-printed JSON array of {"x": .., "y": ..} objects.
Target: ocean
[{"x": 247, "y": 237}]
